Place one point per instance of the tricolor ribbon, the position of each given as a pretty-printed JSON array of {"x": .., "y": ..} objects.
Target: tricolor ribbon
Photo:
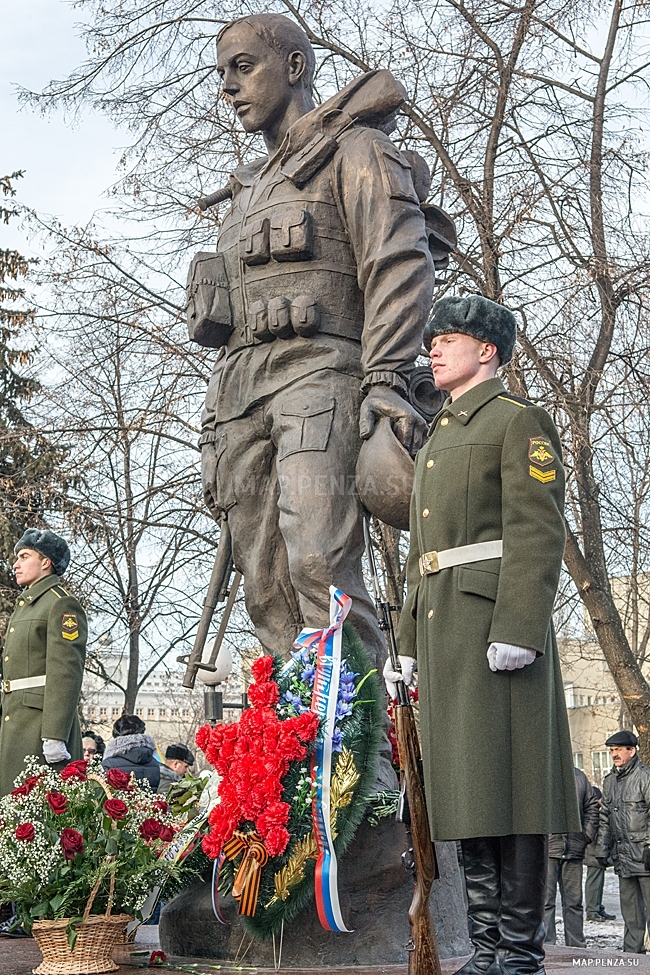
[
  {"x": 246, "y": 887},
  {"x": 324, "y": 698}
]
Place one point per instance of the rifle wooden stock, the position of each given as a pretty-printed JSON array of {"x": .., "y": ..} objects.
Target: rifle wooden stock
[
  {"x": 423, "y": 950},
  {"x": 423, "y": 954}
]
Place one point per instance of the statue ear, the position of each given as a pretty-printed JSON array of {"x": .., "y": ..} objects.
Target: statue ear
[{"x": 297, "y": 65}]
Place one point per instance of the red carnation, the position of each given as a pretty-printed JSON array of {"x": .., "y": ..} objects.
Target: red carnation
[
  {"x": 264, "y": 695},
  {"x": 151, "y": 829},
  {"x": 72, "y": 843},
  {"x": 75, "y": 770},
  {"x": 276, "y": 840},
  {"x": 25, "y": 832},
  {"x": 306, "y": 725},
  {"x": 157, "y": 958},
  {"x": 118, "y": 779},
  {"x": 57, "y": 802},
  {"x": 211, "y": 845},
  {"x": 115, "y": 808},
  {"x": 160, "y": 805},
  {"x": 202, "y": 737},
  {"x": 262, "y": 669}
]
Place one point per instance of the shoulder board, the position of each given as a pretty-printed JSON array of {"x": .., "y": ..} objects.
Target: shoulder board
[
  {"x": 515, "y": 400},
  {"x": 59, "y": 591}
]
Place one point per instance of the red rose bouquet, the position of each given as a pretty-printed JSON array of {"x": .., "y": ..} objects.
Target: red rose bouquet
[{"x": 62, "y": 833}]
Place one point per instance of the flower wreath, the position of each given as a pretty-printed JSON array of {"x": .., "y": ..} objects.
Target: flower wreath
[{"x": 261, "y": 832}]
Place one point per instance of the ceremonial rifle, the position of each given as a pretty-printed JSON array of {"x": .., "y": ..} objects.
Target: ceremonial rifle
[{"x": 422, "y": 948}]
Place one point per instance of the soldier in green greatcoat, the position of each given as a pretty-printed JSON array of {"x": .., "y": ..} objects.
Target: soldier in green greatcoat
[
  {"x": 42, "y": 661},
  {"x": 487, "y": 542}
]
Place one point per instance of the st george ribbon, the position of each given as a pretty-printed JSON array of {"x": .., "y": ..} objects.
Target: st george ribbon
[{"x": 323, "y": 703}]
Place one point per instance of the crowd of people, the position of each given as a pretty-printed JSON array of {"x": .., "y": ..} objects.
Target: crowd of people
[{"x": 133, "y": 751}]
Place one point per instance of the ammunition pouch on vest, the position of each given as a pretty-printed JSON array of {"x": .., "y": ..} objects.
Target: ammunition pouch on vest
[{"x": 209, "y": 318}]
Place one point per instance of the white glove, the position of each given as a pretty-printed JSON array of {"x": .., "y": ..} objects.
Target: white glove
[
  {"x": 391, "y": 676},
  {"x": 55, "y": 751},
  {"x": 505, "y": 656}
]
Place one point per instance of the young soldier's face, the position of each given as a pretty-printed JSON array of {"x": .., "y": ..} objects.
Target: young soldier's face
[
  {"x": 30, "y": 566},
  {"x": 255, "y": 77},
  {"x": 457, "y": 359}
]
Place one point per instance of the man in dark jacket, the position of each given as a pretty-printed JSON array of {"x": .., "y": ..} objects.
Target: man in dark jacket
[
  {"x": 565, "y": 855},
  {"x": 178, "y": 759},
  {"x": 624, "y": 831},
  {"x": 595, "y": 879},
  {"x": 132, "y": 751}
]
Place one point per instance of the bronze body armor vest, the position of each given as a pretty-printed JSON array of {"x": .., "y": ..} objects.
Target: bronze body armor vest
[{"x": 289, "y": 262}]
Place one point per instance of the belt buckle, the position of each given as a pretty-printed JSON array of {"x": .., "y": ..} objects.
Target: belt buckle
[
  {"x": 6, "y": 686},
  {"x": 429, "y": 563}
]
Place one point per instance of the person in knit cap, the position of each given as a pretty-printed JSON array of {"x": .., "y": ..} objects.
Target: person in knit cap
[
  {"x": 486, "y": 547},
  {"x": 42, "y": 661}
]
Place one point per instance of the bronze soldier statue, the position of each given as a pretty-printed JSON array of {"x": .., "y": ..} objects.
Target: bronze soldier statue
[{"x": 317, "y": 297}]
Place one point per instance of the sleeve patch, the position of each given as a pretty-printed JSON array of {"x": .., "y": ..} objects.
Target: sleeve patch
[
  {"x": 544, "y": 476},
  {"x": 540, "y": 451},
  {"x": 69, "y": 626},
  {"x": 395, "y": 173}
]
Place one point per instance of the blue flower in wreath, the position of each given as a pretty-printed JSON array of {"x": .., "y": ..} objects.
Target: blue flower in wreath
[{"x": 308, "y": 674}]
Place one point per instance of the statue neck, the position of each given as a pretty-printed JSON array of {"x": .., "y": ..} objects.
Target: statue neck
[{"x": 301, "y": 103}]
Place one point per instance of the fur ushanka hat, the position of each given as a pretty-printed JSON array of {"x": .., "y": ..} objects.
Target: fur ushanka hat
[
  {"x": 47, "y": 544},
  {"x": 476, "y": 316}
]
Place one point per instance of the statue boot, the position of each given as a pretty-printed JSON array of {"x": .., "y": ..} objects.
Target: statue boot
[
  {"x": 521, "y": 916},
  {"x": 482, "y": 868}
]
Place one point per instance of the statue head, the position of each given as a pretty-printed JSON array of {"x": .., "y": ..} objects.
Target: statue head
[{"x": 266, "y": 65}]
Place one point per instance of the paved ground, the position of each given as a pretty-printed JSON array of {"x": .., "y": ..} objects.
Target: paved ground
[
  {"x": 604, "y": 944},
  {"x": 20, "y": 957}
]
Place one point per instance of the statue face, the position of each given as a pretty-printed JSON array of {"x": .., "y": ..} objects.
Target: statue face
[{"x": 255, "y": 77}]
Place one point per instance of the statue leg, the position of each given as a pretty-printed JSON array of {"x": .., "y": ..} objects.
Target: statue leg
[
  {"x": 315, "y": 426},
  {"x": 247, "y": 489}
]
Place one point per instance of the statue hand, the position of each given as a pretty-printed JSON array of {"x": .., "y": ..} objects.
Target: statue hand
[
  {"x": 209, "y": 478},
  {"x": 408, "y": 426}
]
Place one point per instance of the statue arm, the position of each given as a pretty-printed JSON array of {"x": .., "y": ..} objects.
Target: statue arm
[{"x": 374, "y": 190}]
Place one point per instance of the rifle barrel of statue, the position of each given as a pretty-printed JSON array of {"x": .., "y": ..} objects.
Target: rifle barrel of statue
[
  {"x": 217, "y": 588},
  {"x": 205, "y": 202}
]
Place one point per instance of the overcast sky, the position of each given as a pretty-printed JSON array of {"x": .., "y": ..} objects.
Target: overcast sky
[{"x": 67, "y": 168}]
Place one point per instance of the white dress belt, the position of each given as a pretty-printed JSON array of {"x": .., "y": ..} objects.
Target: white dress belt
[
  {"x": 22, "y": 683},
  {"x": 432, "y": 562}
]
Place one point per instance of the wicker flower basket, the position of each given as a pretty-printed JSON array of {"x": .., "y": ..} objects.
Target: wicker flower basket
[{"x": 97, "y": 935}]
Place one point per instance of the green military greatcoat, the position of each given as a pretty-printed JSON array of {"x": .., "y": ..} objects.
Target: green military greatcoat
[
  {"x": 496, "y": 746},
  {"x": 46, "y": 635}
]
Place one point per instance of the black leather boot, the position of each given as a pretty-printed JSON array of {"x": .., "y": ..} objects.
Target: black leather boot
[
  {"x": 521, "y": 917},
  {"x": 481, "y": 865}
]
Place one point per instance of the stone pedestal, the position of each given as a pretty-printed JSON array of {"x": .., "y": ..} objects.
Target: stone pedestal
[{"x": 375, "y": 892}]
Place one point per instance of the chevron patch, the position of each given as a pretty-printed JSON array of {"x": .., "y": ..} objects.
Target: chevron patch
[
  {"x": 543, "y": 476},
  {"x": 69, "y": 626}
]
